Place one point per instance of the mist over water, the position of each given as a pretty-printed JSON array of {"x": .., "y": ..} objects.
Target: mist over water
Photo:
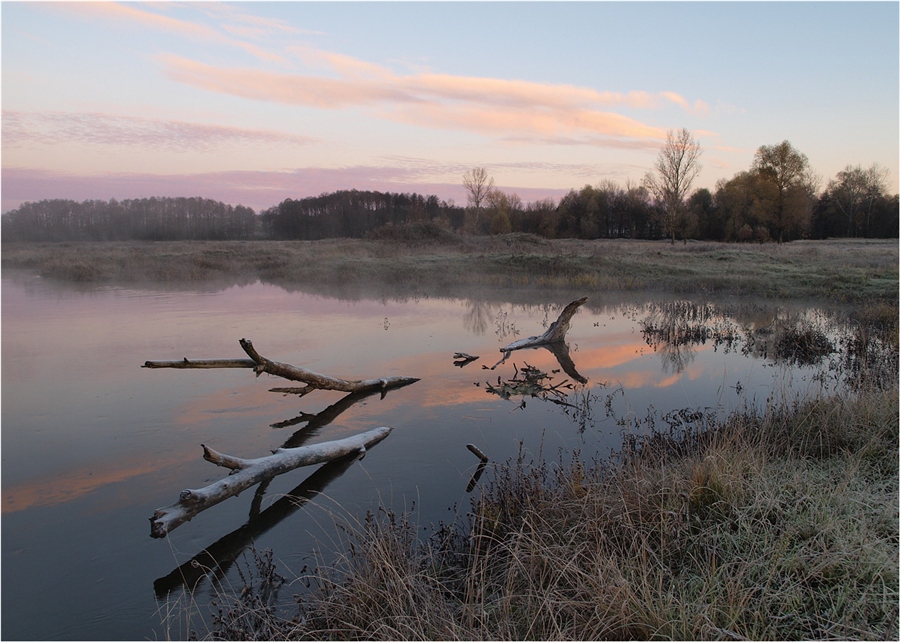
[{"x": 93, "y": 444}]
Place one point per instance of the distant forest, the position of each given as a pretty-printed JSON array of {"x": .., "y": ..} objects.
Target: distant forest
[{"x": 736, "y": 211}]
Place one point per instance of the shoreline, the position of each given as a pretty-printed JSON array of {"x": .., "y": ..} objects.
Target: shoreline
[{"x": 838, "y": 270}]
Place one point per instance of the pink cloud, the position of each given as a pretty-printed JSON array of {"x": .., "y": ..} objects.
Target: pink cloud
[
  {"x": 485, "y": 105},
  {"x": 515, "y": 93},
  {"x": 491, "y": 106},
  {"x": 535, "y": 121},
  {"x": 699, "y": 106},
  {"x": 292, "y": 89},
  {"x": 130, "y": 13}
]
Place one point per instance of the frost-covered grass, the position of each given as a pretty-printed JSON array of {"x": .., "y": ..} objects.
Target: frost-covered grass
[
  {"x": 447, "y": 264},
  {"x": 775, "y": 526}
]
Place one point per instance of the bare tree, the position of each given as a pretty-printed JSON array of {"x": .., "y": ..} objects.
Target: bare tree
[
  {"x": 479, "y": 185},
  {"x": 670, "y": 181}
]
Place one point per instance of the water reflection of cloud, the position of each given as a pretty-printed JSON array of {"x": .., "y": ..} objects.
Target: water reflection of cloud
[
  {"x": 72, "y": 485},
  {"x": 249, "y": 402},
  {"x": 608, "y": 356}
]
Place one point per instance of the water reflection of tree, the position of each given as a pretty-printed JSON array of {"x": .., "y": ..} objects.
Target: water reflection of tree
[
  {"x": 869, "y": 349},
  {"x": 478, "y": 316},
  {"x": 798, "y": 339},
  {"x": 673, "y": 328}
]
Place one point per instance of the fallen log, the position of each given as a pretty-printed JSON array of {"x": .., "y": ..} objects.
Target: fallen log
[
  {"x": 249, "y": 472},
  {"x": 312, "y": 380},
  {"x": 475, "y": 450}
]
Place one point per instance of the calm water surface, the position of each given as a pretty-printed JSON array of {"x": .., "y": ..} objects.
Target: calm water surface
[{"x": 93, "y": 444}]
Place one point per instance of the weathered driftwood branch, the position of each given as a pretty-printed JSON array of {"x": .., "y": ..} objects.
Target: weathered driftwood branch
[
  {"x": 476, "y": 476},
  {"x": 201, "y": 363},
  {"x": 554, "y": 334},
  {"x": 475, "y": 450},
  {"x": 316, "y": 421},
  {"x": 249, "y": 472},
  {"x": 313, "y": 380},
  {"x": 553, "y": 340}
]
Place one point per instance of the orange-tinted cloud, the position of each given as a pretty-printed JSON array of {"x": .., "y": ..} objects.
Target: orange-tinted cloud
[{"x": 507, "y": 108}]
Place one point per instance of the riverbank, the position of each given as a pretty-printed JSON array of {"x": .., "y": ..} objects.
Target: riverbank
[
  {"x": 440, "y": 263},
  {"x": 780, "y": 526}
]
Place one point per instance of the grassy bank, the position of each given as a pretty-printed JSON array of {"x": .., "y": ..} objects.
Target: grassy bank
[
  {"x": 446, "y": 264},
  {"x": 781, "y": 526}
]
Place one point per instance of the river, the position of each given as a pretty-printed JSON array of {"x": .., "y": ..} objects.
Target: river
[{"x": 93, "y": 444}]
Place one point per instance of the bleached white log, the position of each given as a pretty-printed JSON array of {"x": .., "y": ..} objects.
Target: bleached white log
[{"x": 249, "y": 472}]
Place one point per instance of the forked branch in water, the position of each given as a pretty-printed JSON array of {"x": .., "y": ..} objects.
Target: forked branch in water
[
  {"x": 312, "y": 380},
  {"x": 554, "y": 340},
  {"x": 556, "y": 333}
]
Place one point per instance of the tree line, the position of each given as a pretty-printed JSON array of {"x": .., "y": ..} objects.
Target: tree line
[
  {"x": 145, "y": 219},
  {"x": 353, "y": 214},
  {"x": 778, "y": 198}
]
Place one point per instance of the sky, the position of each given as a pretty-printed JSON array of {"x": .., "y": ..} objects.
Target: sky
[{"x": 254, "y": 102}]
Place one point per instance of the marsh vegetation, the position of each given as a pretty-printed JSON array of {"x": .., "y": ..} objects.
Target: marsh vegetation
[{"x": 431, "y": 261}]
